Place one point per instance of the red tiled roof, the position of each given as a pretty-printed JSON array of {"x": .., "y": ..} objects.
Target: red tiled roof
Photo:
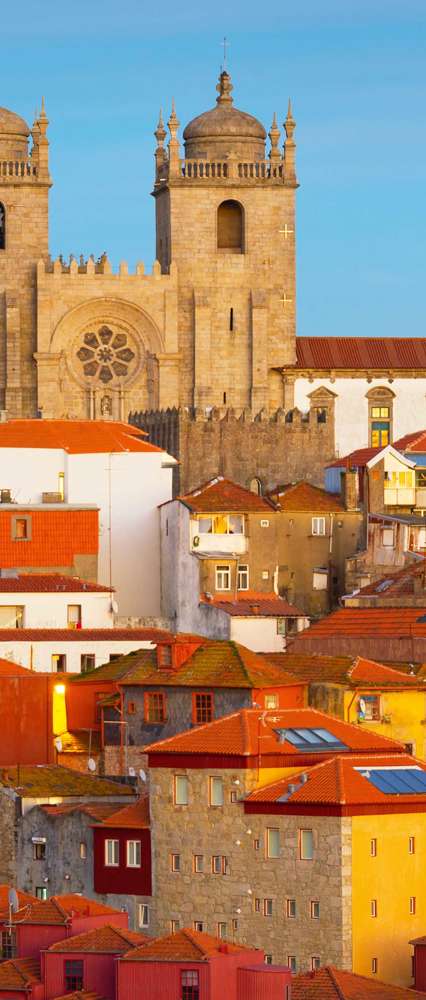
[
  {"x": 398, "y": 623},
  {"x": 114, "y": 940},
  {"x": 224, "y": 496},
  {"x": 134, "y": 817},
  {"x": 220, "y": 664},
  {"x": 238, "y": 735},
  {"x": 186, "y": 945},
  {"x": 10, "y": 669},
  {"x": 57, "y": 536},
  {"x": 23, "y": 898},
  {"x": 383, "y": 353},
  {"x": 59, "y": 910},
  {"x": 357, "y": 459},
  {"x": 305, "y": 497},
  {"x": 329, "y": 983},
  {"x": 314, "y": 668},
  {"x": 77, "y": 437},
  {"x": 28, "y": 583},
  {"x": 19, "y": 974},
  {"x": 110, "y": 635},
  {"x": 254, "y": 603},
  {"x": 337, "y": 782},
  {"x": 98, "y": 811},
  {"x": 414, "y": 442},
  {"x": 395, "y": 582}
]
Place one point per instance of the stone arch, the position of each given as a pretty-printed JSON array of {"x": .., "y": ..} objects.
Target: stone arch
[{"x": 230, "y": 226}]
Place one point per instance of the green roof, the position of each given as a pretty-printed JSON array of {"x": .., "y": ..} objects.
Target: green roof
[{"x": 45, "y": 780}]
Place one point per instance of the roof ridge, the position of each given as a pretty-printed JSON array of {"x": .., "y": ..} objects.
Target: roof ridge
[
  {"x": 330, "y": 971},
  {"x": 191, "y": 935}
]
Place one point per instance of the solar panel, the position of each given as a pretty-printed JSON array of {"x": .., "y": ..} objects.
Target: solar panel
[
  {"x": 396, "y": 780},
  {"x": 311, "y": 740}
]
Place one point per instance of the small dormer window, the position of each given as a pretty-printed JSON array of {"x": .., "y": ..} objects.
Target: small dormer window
[{"x": 164, "y": 656}]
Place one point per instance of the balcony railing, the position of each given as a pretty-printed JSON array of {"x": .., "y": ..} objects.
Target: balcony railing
[
  {"x": 18, "y": 169},
  {"x": 400, "y": 496},
  {"x": 217, "y": 543}
]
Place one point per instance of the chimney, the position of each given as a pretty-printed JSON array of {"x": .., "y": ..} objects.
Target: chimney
[{"x": 349, "y": 489}]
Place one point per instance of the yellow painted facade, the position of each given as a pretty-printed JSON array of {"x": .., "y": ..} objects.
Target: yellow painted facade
[
  {"x": 402, "y": 716},
  {"x": 390, "y": 879}
]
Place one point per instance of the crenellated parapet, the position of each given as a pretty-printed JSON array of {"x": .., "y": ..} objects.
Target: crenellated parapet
[{"x": 102, "y": 265}]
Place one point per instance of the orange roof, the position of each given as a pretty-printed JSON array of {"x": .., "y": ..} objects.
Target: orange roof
[
  {"x": 23, "y": 898},
  {"x": 414, "y": 442},
  {"x": 338, "y": 782},
  {"x": 224, "y": 496},
  {"x": 371, "y": 353},
  {"x": 395, "y": 583},
  {"x": 48, "y": 583},
  {"x": 10, "y": 669},
  {"x": 96, "y": 810},
  {"x": 398, "y": 623},
  {"x": 329, "y": 983},
  {"x": 222, "y": 663},
  {"x": 115, "y": 940},
  {"x": 57, "y": 536},
  {"x": 19, "y": 973},
  {"x": 186, "y": 945},
  {"x": 305, "y": 497},
  {"x": 60, "y": 909},
  {"x": 251, "y": 603},
  {"x": 355, "y": 459},
  {"x": 314, "y": 668},
  {"x": 131, "y": 817},
  {"x": 238, "y": 735},
  {"x": 110, "y": 635},
  {"x": 77, "y": 437}
]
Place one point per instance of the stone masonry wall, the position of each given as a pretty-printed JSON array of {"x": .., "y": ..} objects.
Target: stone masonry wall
[{"x": 8, "y": 828}]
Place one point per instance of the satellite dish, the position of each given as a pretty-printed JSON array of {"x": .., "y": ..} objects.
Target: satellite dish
[
  {"x": 362, "y": 706},
  {"x": 142, "y": 774},
  {"x": 132, "y": 772},
  {"x": 58, "y": 744},
  {"x": 114, "y": 606},
  {"x": 13, "y": 900},
  {"x": 91, "y": 764}
]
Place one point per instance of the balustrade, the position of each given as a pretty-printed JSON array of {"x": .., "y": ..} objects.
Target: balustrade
[
  {"x": 262, "y": 170},
  {"x": 18, "y": 168}
]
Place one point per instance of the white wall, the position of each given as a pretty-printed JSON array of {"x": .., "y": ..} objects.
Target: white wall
[
  {"x": 38, "y": 655},
  {"x": 49, "y": 610},
  {"x": 259, "y": 634},
  {"x": 351, "y": 407}
]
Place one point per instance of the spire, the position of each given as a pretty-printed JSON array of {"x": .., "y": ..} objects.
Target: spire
[
  {"x": 160, "y": 153},
  {"x": 160, "y": 132},
  {"x": 42, "y": 141},
  {"x": 289, "y": 123},
  {"x": 274, "y": 135},
  {"x": 224, "y": 88},
  {"x": 290, "y": 149},
  {"x": 173, "y": 125}
]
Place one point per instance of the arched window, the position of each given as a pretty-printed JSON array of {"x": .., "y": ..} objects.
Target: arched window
[
  {"x": 230, "y": 227},
  {"x": 255, "y": 486},
  {"x": 380, "y": 405},
  {"x": 2, "y": 227}
]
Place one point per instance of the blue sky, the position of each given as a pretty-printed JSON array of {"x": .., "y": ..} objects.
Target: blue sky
[{"x": 355, "y": 71}]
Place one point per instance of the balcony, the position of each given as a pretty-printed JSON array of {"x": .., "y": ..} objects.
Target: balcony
[
  {"x": 219, "y": 544},
  {"x": 404, "y": 496}
]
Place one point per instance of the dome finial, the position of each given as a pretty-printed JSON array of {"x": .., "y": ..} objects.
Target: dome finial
[
  {"x": 274, "y": 135},
  {"x": 224, "y": 88},
  {"x": 160, "y": 132}
]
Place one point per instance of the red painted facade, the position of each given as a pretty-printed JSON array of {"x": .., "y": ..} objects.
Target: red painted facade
[
  {"x": 26, "y": 719},
  {"x": 121, "y": 878},
  {"x": 234, "y": 976},
  {"x": 420, "y": 966},
  {"x": 33, "y": 938},
  {"x": 98, "y": 973},
  {"x": 291, "y": 696}
]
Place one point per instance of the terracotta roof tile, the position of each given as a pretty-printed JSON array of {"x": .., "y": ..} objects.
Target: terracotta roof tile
[
  {"x": 77, "y": 437},
  {"x": 329, "y": 983},
  {"x": 352, "y": 672},
  {"x": 414, "y": 442},
  {"x": 59, "y": 910},
  {"x": 253, "y": 603},
  {"x": 23, "y": 899},
  {"x": 186, "y": 945},
  {"x": 10, "y": 669},
  {"x": 110, "y": 635},
  {"x": 19, "y": 973},
  {"x": 48, "y": 583},
  {"x": 238, "y": 735},
  {"x": 395, "y": 583},
  {"x": 80, "y": 995},
  {"x": 131, "y": 817},
  {"x": 114, "y": 940},
  {"x": 56, "y": 537},
  {"x": 383, "y": 353},
  {"x": 220, "y": 664},
  {"x": 98, "y": 811},
  {"x": 375, "y": 622},
  {"x": 357, "y": 459},
  {"x": 45, "y": 780},
  {"x": 222, "y": 495},
  {"x": 305, "y": 497}
]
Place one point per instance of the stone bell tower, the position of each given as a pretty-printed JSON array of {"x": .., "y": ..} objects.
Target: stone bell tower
[
  {"x": 24, "y": 189},
  {"x": 225, "y": 217}
]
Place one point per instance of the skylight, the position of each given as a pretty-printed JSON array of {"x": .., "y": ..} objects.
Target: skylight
[
  {"x": 310, "y": 740},
  {"x": 396, "y": 780}
]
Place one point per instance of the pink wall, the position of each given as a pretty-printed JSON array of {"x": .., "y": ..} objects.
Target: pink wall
[
  {"x": 223, "y": 972},
  {"x": 159, "y": 980},
  {"x": 267, "y": 983},
  {"x": 98, "y": 973},
  {"x": 31, "y": 939}
]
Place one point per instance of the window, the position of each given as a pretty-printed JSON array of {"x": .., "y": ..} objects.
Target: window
[
  {"x": 221, "y": 524},
  {"x": 219, "y": 864},
  {"x": 256, "y": 905},
  {"x": 174, "y": 926},
  {"x": 73, "y": 974},
  {"x": 221, "y": 929},
  {"x": 243, "y": 578},
  {"x": 256, "y": 844},
  {"x": 216, "y": 791},
  {"x": 380, "y": 402},
  {"x": 271, "y": 702},
  {"x": 315, "y": 962},
  {"x": 223, "y": 578},
  {"x": 231, "y": 319},
  {"x": 8, "y": 944},
  {"x": 134, "y": 854},
  {"x": 373, "y": 907},
  {"x": 411, "y": 845},
  {"x": 190, "y": 987},
  {"x": 318, "y": 525},
  {"x": 181, "y": 785},
  {"x": 74, "y": 615},
  {"x": 388, "y": 538},
  {"x": 83, "y": 851},
  {"x": 2, "y": 227},
  {"x": 155, "y": 706},
  {"x": 306, "y": 845},
  {"x": 41, "y": 892},
  {"x": 273, "y": 843},
  {"x": 291, "y": 962},
  {"x": 369, "y": 707},
  {"x": 164, "y": 655},
  {"x": 131, "y": 708},
  {"x": 87, "y": 662},
  {"x": 11, "y": 616},
  {"x": 112, "y": 853},
  {"x": 374, "y": 965},
  {"x": 39, "y": 852},
  {"x": 292, "y": 626},
  {"x": 198, "y": 863},
  {"x": 230, "y": 227},
  {"x": 412, "y": 905},
  {"x": 198, "y": 926},
  {"x": 290, "y": 907},
  {"x": 320, "y": 578},
  {"x": 268, "y": 907},
  {"x": 202, "y": 707},
  {"x": 59, "y": 663},
  {"x": 61, "y": 484},
  {"x": 268, "y": 959},
  {"x": 143, "y": 915},
  {"x": 315, "y": 909},
  {"x": 21, "y": 528},
  {"x": 175, "y": 862}
]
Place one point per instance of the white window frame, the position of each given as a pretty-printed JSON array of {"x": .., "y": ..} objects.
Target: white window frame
[
  {"x": 302, "y": 850},
  {"x": 115, "y": 853},
  {"x": 134, "y": 847},
  {"x": 222, "y": 573},
  {"x": 388, "y": 533},
  {"x": 318, "y": 526},
  {"x": 272, "y": 833},
  {"x": 180, "y": 781},
  {"x": 143, "y": 915},
  {"x": 216, "y": 791},
  {"x": 243, "y": 573}
]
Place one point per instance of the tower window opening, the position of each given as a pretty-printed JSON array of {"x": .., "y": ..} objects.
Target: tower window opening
[
  {"x": 2, "y": 227},
  {"x": 231, "y": 319},
  {"x": 230, "y": 227},
  {"x": 224, "y": 397}
]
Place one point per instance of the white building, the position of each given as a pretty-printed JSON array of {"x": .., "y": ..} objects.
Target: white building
[
  {"x": 55, "y": 602},
  {"x": 107, "y": 464},
  {"x": 75, "y": 651}
]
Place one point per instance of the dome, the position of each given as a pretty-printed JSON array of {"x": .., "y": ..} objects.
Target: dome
[
  {"x": 226, "y": 127},
  {"x": 12, "y": 124}
]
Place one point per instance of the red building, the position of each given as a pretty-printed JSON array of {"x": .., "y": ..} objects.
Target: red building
[
  {"x": 419, "y": 962},
  {"x": 122, "y": 852},
  {"x": 329, "y": 983},
  {"x": 40, "y": 923},
  {"x": 87, "y": 962},
  {"x": 20, "y": 978},
  {"x": 190, "y": 965}
]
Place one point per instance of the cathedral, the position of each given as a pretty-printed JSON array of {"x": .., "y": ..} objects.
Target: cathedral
[{"x": 203, "y": 347}]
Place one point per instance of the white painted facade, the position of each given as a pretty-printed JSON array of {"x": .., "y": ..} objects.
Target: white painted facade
[
  {"x": 351, "y": 406},
  {"x": 260, "y": 634},
  {"x": 39, "y": 654},
  {"x": 127, "y": 487},
  {"x": 49, "y": 609}
]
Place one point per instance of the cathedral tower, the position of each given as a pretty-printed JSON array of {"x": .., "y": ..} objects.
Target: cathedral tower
[
  {"x": 24, "y": 189},
  {"x": 225, "y": 216}
]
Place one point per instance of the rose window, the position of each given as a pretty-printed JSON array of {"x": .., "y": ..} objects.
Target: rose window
[{"x": 105, "y": 354}]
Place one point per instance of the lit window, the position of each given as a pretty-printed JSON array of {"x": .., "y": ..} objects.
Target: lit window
[
  {"x": 412, "y": 905},
  {"x": 373, "y": 847},
  {"x": 273, "y": 843},
  {"x": 291, "y": 910},
  {"x": 73, "y": 969},
  {"x": 112, "y": 853},
  {"x": 306, "y": 845},
  {"x": 181, "y": 787},
  {"x": 223, "y": 578},
  {"x": 271, "y": 701},
  {"x": 373, "y": 907},
  {"x": 216, "y": 791},
  {"x": 74, "y": 615},
  {"x": 219, "y": 864},
  {"x": 175, "y": 862},
  {"x": 411, "y": 845},
  {"x": 143, "y": 915},
  {"x": 291, "y": 962},
  {"x": 198, "y": 863},
  {"x": 221, "y": 929},
  {"x": 155, "y": 706},
  {"x": 374, "y": 965},
  {"x": 268, "y": 907},
  {"x": 202, "y": 707},
  {"x": 315, "y": 909},
  {"x": 133, "y": 854},
  {"x": 318, "y": 525},
  {"x": 243, "y": 578}
]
